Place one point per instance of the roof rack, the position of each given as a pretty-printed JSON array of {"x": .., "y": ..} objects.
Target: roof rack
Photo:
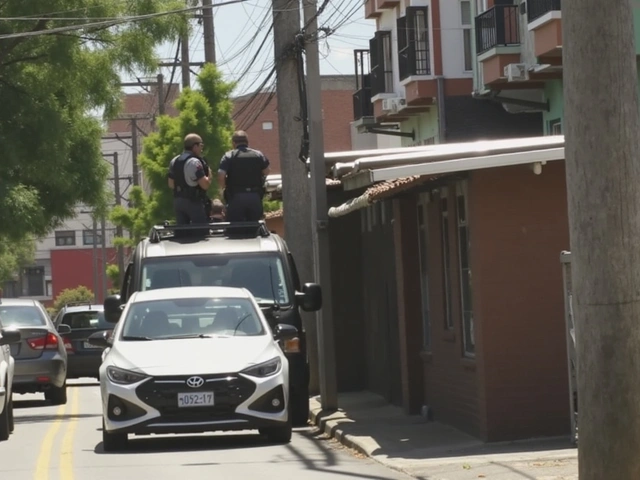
[
  {"x": 77, "y": 304},
  {"x": 215, "y": 229}
]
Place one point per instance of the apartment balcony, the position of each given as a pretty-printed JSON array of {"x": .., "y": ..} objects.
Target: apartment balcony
[
  {"x": 544, "y": 19},
  {"x": 497, "y": 41},
  {"x": 362, "y": 106},
  {"x": 374, "y": 8}
]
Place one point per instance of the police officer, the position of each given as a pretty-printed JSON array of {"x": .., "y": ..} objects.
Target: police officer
[
  {"x": 189, "y": 177},
  {"x": 242, "y": 174}
]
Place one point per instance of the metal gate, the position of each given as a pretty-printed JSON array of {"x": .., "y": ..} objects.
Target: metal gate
[{"x": 565, "y": 260}]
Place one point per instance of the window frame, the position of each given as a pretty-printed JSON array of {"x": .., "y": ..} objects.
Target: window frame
[
  {"x": 445, "y": 251},
  {"x": 464, "y": 271},
  {"x": 60, "y": 235}
]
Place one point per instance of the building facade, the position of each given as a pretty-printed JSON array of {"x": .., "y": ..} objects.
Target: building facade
[
  {"x": 416, "y": 80},
  {"x": 519, "y": 56}
]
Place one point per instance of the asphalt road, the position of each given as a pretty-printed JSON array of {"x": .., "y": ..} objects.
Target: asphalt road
[{"x": 65, "y": 443}]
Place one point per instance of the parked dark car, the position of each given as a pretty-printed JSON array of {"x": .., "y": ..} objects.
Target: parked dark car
[
  {"x": 84, "y": 320},
  {"x": 40, "y": 356}
]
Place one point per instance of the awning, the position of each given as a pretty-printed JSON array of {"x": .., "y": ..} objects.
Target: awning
[{"x": 415, "y": 174}]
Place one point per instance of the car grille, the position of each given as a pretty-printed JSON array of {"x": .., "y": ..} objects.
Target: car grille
[{"x": 230, "y": 390}]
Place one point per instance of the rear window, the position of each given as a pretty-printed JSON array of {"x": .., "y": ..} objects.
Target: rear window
[
  {"x": 90, "y": 319},
  {"x": 21, "y": 316}
]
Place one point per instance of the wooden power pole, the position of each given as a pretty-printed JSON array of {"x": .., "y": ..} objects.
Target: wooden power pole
[
  {"x": 208, "y": 32},
  {"x": 319, "y": 213},
  {"x": 603, "y": 179},
  {"x": 295, "y": 183}
]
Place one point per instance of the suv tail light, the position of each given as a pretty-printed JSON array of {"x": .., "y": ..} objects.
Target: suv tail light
[{"x": 48, "y": 342}]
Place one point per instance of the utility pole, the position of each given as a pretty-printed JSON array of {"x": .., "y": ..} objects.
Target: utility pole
[
  {"x": 603, "y": 181},
  {"x": 103, "y": 262},
  {"x": 184, "y": 61},
  {"x": 295, "y": 183},
  {"x": 209, "y": 35},
  {"x": 319, "y": 213},
  {"x": 134, "y": 150},
  {"x": 160, "y": 89},
  {"x": 95, "y": 258},
  {"x": 118, "y": 201}
]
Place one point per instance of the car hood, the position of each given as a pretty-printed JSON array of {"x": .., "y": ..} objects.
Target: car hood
[{"x": 193, "y": 355}]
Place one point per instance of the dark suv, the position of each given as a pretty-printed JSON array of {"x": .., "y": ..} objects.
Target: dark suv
[
  {"x": 237, "y": 255},
  {"x": 84, "y": 319}
]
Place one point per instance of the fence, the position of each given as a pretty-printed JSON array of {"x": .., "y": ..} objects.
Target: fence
[{"x": 565, "y": 260}]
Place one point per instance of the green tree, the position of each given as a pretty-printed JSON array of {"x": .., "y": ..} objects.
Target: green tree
[
  {"x": 113, "y": 274},
  {"x": 51, "y": 85},
  {"x": 69, "y": 295},
  {"x": 206, "y": 111},
  {"x": 14, "y": 255}
]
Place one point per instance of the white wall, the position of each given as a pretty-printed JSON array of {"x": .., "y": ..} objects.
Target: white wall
[
  {"x": 370, "y": 141},
  {"x": 453, "y": 40}
]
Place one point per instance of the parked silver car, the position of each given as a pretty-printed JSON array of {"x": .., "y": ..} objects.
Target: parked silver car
[{"x": 40, "y": 356}]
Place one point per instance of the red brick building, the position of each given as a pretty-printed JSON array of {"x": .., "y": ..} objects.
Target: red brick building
[{"x": 258, "y": 116}]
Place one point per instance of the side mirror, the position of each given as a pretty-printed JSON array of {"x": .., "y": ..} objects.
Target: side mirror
[
  {"x": 100, "y": 339},
  {"x": 310, "y": 300},
  {"x": 284, "y": 331},
  {"x": 112, "y": 308},
  {"x": 8, "y": 337},
  {"x": 63, "y": 329}
]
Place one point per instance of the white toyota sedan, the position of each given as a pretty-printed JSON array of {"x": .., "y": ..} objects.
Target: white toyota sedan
[{"x": 193, "y": 360}]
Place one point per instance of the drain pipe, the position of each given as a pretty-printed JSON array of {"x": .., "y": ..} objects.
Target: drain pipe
[{"x": 442, "y": 119}]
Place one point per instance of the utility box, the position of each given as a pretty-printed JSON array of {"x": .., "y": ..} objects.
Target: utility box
[{"x": 565, "y": 260}]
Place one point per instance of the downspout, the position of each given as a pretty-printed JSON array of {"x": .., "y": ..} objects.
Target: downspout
[{"x": 442, "y": 119}]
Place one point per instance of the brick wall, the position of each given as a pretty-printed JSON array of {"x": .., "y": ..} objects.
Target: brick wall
[{"x": 256, "y": 114}]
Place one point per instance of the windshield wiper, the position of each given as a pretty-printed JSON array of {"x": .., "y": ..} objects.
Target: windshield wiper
[
  {"x": 135, "y": 337},
  {"x": 175, "y": 337}
]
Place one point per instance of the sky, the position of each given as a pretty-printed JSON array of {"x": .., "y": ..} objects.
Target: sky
[{"x": 236, "y": 25}]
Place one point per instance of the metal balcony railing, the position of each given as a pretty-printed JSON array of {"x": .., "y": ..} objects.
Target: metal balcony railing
[
  {"x": 362, "y": 106},
  {"x": 497, "y": 27},
  {"x": 537, "y": 8}
]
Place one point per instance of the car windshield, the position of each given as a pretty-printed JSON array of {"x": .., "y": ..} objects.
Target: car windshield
[
  {"x": 92, "y": 319},
  {"x": 263, "y": 275},
  {"x": 21, "y": 316},
  {"x": 191, "y": 317}
]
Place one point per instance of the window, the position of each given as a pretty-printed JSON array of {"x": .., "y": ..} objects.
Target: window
[
  {"x": 21, "y": 316},
  {"x": 446, "y": 257},
  {"x": 262, "y": 274},
  {"x": 555, "y": 127},
  {"x": 49, "y": 288},
  {"x": 88, "y": 235},
  {"x": 423, "y": 250},
  {"x": 188, "y": 317},
  {"x": 381, "y": 63},
  {"x": 414, "y": 56},
  {"x": 10, "y": 289},
  {"x": 90, "y": 319},
  {"x": 35, "y": 281},
  {"x": 267, "y": 125},
  {"x": 65, "y": 238},
  {"x": 469, "y": 343},
  {"x": 465, "y": 20}
]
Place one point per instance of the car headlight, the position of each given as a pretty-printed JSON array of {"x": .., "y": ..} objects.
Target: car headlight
[
  {"x": 124, "y": 377},
  {"x": 265, "y": 369}
]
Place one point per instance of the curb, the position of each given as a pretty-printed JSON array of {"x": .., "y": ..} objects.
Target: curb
[{"x": 331, "y": 427}]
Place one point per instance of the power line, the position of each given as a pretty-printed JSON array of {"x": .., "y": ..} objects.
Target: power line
[{"x": 105, "y": 23}]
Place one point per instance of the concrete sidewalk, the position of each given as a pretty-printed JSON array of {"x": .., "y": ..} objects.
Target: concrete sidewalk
[{"x": 433, "y": 451}]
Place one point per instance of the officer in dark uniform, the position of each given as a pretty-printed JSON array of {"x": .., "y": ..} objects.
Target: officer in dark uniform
[
  {"x": 189, "y": 177},
  {"x": 242, "y": 175}
]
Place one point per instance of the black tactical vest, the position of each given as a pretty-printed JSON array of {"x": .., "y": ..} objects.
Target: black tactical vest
[
  {"x": 245, "y": 171},
  {"x": 182, "y": 189}
]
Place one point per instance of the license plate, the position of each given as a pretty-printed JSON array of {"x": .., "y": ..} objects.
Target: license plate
[
  {"x": 88, "y": 345},
  {"x": 198, "y": 399}
]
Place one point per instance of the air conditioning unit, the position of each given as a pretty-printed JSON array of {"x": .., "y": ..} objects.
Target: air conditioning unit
[
  {"x": 516, "y": 72},
  {"x": 398, "y": 104},
  {"x": 387, "y": 104}
]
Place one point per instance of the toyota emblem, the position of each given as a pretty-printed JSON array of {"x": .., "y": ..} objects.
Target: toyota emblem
[{"x": 195, "y": 382}]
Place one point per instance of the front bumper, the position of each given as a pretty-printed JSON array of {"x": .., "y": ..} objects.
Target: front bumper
[
  {"x": 151, "y": 406},
  {"x": 39, "y": 373}
]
